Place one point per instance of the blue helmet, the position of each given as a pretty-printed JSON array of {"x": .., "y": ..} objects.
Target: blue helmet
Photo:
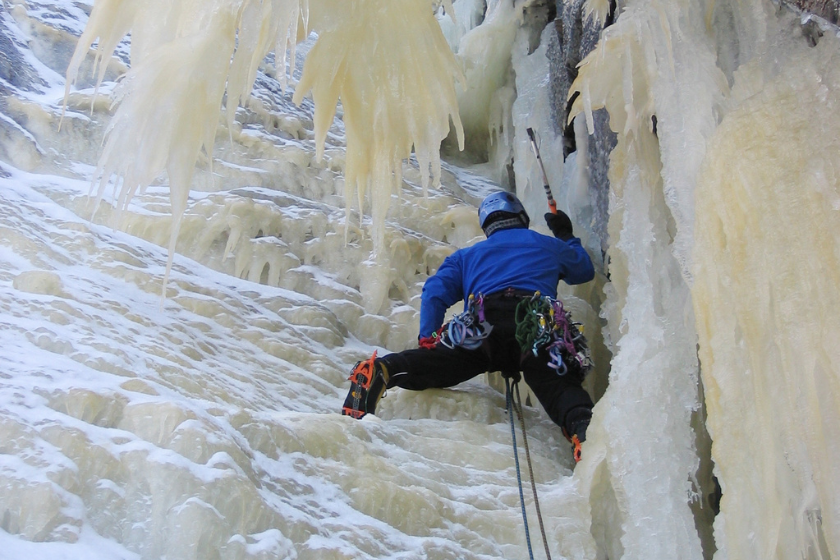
[{"x": 501, "y": 202}]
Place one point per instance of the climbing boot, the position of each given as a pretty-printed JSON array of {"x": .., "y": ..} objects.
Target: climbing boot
[
  {"x": 576, "y": 423},
  {"x": 579, "y": 436},
  {"x": 367, "y": 385}
]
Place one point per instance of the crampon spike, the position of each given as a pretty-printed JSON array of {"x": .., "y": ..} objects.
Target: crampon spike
[{"x": 357, "y": 414}]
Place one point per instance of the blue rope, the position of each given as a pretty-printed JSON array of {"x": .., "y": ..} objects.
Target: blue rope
[{"x": 516, "y": 459}]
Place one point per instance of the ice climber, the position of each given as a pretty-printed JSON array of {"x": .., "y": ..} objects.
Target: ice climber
[{"x": 512, "y": 322}]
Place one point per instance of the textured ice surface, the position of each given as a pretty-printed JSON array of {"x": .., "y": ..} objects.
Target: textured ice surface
[
  {"x": 685, "y": 214},
  {"x": 766, "y": 299},
  {"x": 206, "y": 425}
]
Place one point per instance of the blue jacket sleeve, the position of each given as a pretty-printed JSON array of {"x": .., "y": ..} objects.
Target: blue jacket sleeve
[
  {"x": 440, "y": 292},
  {"x": 577, "y": 266}
]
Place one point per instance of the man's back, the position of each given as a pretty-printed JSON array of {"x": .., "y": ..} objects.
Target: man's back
[
  {"x": 526, "y": 260},
  {"x": 512, "y": 258}
]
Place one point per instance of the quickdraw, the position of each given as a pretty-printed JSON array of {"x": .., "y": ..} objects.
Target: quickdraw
[
  {"x": 543, "y": 323},
  {"x": 468, "y": 329}
]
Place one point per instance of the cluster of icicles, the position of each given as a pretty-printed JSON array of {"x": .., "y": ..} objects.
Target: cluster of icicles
[{"x": 186, "y": 54}]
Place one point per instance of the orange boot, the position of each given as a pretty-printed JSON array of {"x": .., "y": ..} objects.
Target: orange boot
[
  {"x": 578, "y": 437},
  {"x": 367, "y": 385}
]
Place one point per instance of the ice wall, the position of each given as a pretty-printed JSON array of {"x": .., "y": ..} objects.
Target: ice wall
[
  {"x": 640, "y": 72},
  {"x": 766, "y": 264},
  {"x": 207, "y": 425},
  {"x": 716, "y": 207},
  {"x": 209, "y": 428}
]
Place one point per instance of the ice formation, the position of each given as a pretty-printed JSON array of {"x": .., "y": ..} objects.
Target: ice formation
[
  {"x": 205, "y": 425},
  {"x": 386, "y": 110},
  {"x": 682, "y": 234},
  {"x": 486, "y": 54},
  {"x": 639, "y": 73},
  {"x": 368, "y": 56},
  {"x": 770, "y": 366}
]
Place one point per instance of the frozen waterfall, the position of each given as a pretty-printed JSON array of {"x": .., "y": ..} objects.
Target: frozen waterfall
[{"x": 275, "y": 167}]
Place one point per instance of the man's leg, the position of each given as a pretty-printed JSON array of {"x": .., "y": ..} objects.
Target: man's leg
[
  {"x": 418, "y": 369},
  {"x": 562, "y": 396},
  {"x": 438, "y": 367}
]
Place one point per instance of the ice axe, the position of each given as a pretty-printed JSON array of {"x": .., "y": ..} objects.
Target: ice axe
[{"x": 551, "y": 204}]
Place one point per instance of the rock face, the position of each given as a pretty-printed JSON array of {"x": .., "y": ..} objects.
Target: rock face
[
  {"x": 575, "y": 38},
  {"x": 829, "y": 10},
  {"x": 14, "y": 69}
]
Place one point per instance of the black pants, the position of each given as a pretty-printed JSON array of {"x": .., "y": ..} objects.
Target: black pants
[{"x": 562, "y": 397}]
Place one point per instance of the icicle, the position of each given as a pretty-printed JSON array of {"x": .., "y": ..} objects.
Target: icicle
[{"x": 388, "y": 63}]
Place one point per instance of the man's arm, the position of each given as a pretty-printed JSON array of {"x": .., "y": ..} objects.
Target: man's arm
[
  {"x": 577, "y": 266},
  {"x": 440, "y": 292}
]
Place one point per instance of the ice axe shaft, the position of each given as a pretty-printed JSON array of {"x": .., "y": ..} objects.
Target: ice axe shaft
[{"x": 551, "y": 204}]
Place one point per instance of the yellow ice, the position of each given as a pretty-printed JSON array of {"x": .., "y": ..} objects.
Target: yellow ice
[
  {"x": 386, "y": 61},
  {"x": 389, "y": 65},
  {"x": 767, "y": 262}
]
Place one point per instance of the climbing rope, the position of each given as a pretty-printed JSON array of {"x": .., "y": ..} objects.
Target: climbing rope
[
  {"x": 509, "y": 400},
  {"x": 511, "y": 407},
  {"x": 519, "y": 412}
]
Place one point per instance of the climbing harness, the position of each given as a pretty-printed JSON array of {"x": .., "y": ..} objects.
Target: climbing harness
[
  {"x": 543, "y": 323},
  {"x": 468, "y": 329},
  {"x": 511, "y": 407}
]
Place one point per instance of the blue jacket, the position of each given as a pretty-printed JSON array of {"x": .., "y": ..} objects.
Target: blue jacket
[{"x": 510, "y": 258}]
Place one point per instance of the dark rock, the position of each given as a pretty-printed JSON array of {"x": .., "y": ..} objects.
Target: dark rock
[
  {"x": 14, "y": 69},
  {"x": 575, "y": 38},
  {"x": 829, "y": 10}
]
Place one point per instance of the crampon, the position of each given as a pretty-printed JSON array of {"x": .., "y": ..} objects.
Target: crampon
[
  {"x": 355, "y": 404},
  {"x": 576, "y": 448}
]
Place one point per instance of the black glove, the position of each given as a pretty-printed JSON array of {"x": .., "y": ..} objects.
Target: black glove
[{"x": 560, "y": 225}]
